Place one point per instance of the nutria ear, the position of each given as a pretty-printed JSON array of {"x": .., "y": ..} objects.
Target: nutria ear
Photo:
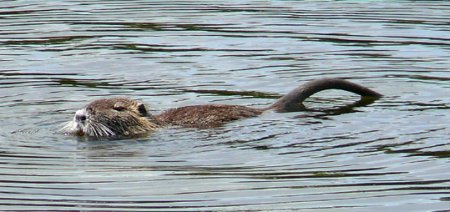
[{"x": 141, "y": 108}]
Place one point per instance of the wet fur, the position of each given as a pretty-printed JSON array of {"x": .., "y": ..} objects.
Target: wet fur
[
  {"x": 112, "y": 117},
  {"x": 126, "y": 117}
]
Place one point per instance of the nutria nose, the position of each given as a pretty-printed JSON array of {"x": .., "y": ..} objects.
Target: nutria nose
[{"x": 80, "y": 116}]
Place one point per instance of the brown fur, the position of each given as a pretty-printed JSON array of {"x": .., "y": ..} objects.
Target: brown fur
[
  {"x": 111, "y": 117},
  {"x": 126, "y": 117},
  {"x": 206, "y": 116}
]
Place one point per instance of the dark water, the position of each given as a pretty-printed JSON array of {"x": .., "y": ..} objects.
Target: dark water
[{"x": 392, "y": 155}]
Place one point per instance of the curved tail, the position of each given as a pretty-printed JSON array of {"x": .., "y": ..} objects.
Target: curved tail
[{"x": 294, "y": 99}]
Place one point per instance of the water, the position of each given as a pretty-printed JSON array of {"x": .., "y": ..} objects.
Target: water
[{"x": 393, "y": 154}]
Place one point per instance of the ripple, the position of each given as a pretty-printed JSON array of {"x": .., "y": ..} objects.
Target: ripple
[{"x": 341, "y": 153}]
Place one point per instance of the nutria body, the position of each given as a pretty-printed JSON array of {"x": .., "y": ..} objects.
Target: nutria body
[{"x": 126, "y": 117}]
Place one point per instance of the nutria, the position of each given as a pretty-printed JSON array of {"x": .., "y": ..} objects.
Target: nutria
[{"x": 126, "y": 117}]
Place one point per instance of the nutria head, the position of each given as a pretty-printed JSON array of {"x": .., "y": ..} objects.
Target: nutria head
[{"x": 111, "y": 117}]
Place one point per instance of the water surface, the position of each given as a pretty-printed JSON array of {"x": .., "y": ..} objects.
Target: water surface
[{"x": 393, "y": 154}]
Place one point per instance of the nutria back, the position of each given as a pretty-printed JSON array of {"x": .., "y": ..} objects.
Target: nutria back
[{"x": 206, "y": 116}]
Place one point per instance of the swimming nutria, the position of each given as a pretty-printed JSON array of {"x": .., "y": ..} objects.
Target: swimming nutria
[{"x": 126, "y": 117}]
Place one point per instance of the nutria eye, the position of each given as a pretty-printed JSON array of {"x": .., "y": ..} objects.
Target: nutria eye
[
  {"x": 142, "y": 110},
  {"x": 119, "y": 107}
]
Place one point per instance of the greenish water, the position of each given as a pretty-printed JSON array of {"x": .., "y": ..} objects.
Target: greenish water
[{"x": 393, "y": 154}]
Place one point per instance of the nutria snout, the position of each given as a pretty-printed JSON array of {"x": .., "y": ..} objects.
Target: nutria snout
[{"x": 126, "y": 117}]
